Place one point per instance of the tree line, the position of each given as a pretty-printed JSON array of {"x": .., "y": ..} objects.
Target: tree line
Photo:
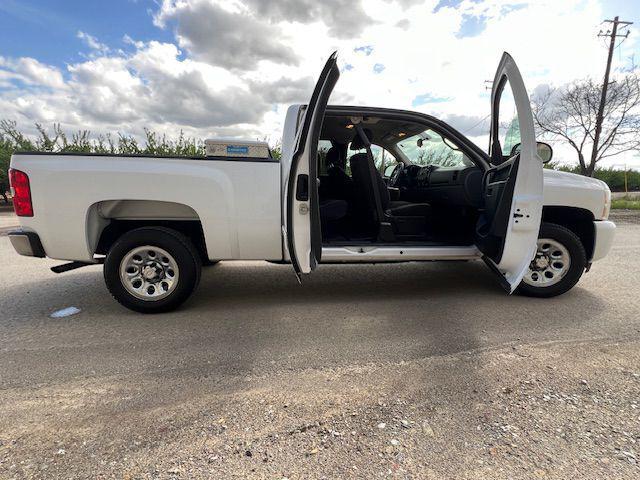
[{"x": 82, "y": 141}]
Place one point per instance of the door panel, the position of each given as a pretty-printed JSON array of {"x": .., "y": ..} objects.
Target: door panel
[
  {"x": 508, "y": 228},
  {"x": 302, "y": 227}
]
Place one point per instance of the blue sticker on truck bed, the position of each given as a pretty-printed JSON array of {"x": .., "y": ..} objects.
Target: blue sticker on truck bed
[{"x": 236, "y": 149}]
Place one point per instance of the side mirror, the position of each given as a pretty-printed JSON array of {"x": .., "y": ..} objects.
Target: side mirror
[{"x": 544, "y": 150}]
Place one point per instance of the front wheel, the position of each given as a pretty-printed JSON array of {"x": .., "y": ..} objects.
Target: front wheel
[
  {"x": 152, "y": 269},
  {"x": 558, "y": 265}
]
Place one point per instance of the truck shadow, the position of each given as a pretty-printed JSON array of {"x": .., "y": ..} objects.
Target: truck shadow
[
  {"x": 245, "y": 316},
  {"x": 454, "y": 289},
  {"x": 405, "y": 293},
  {"x": 449, "y": 307}
]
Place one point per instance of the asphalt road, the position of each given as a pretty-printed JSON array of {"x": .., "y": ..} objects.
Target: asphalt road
[{"x": 258, "y": 377}]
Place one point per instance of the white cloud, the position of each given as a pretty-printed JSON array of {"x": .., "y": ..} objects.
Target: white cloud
[
  {"x": 92, "y": 42},
  {"x": 31, "y": 72},
  {"x": 224, "y": 36},
  {"x": 235, "y": 65},
  {"x": 343, "y": 18}
]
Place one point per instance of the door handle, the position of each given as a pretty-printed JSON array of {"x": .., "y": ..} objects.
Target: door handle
[{"x": 302, "y": 188}]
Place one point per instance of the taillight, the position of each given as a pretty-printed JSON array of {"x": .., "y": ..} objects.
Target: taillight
[{"x": 21, "y": 190}]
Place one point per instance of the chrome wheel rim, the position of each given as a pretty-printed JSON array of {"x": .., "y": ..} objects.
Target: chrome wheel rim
[
  {"x": 550, "y": 265},
  {"x": 149, "y": 273}
]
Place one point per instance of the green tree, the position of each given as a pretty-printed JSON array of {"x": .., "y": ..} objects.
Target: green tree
[
  {"x": 6, "y": 149},
  {"x": 276, "y": 151},
  {"x": 10, "y": 140}
]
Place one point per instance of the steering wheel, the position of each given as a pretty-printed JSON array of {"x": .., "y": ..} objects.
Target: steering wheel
[{"x": 395, "y": 174}]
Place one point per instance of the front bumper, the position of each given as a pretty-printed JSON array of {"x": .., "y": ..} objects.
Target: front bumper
[
  {"x": 604, "y": 233},
  {"x": 27, "y": 243}
]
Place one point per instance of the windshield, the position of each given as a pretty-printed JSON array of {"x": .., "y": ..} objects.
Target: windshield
[{"x": 430, "y": 148}]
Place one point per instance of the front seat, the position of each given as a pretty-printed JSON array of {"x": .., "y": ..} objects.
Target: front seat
[
  {"x": 337, "y": 184},
  {"x": 365, "y": 200},
  {"x": 333, "y": 209}
]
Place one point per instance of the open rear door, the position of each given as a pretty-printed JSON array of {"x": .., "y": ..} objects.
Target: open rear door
[
  {"x": 508, "y": 227},
  {"x": 302, "y": 228}
]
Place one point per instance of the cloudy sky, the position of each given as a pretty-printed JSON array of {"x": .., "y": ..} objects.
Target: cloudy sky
[{"x": 231, "y": 67}]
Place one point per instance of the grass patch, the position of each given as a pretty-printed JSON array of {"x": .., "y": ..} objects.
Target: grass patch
[{"x": 625, "y": 204}]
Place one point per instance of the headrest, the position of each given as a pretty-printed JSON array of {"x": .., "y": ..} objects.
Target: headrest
[
  {"x": 358, "y": 158},
  {"x": 357, "y": 143},
  {"x": 333, "y": 157}
]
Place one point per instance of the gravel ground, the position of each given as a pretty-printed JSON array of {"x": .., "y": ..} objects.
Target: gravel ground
[{"x": 379, "y": 371}]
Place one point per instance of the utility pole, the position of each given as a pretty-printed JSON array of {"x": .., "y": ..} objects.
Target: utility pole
[{"x": 613, "y": 34}]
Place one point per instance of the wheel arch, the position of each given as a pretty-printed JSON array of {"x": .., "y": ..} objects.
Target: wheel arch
[
  {"x": 578, "y": 220},
  {"x": 108, "y": 220}
]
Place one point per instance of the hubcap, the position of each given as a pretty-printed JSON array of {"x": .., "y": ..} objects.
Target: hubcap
[
  {"x": 149, "y": 273},
  {"x": 550, "y": 265}
]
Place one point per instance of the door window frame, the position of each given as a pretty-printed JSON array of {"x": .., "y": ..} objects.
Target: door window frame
[{"x": 496, "y": 156}]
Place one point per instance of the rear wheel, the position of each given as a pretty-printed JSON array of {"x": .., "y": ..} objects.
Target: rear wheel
[
  {"x": 152, "y": 269},
  {"x": 558, "y": 265}
]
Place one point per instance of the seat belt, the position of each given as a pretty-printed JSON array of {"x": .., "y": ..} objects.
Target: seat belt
[{"x": 385, "y": 230}]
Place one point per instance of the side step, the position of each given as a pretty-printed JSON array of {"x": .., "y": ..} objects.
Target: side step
[{"x": 67, "y": 267}]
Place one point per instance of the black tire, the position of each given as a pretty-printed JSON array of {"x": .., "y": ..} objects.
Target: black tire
[
  {"x": 174, "y": 243},
  {"x": 578, "y": 257}
]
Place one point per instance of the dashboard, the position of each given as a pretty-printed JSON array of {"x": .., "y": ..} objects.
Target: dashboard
[{"x": 434, "y": 184}]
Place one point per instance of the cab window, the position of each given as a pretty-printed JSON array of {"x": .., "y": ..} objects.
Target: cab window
[{"x": 323, "y": 148}]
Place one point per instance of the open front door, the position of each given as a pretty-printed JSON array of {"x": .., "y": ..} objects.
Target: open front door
[
  {"x": 302, "y": 228},
  {"x": 508, "y": 227}
]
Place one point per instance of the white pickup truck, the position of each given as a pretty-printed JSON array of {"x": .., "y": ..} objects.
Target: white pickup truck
[{"x": 354, "y": 184}]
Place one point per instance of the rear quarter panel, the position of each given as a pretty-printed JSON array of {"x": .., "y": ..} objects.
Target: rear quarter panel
[{"x": 237, "y": 202}]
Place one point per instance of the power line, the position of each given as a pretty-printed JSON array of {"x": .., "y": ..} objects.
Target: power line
[{"x": 474, "y": 126}]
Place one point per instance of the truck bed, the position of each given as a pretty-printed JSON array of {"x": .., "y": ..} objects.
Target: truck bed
[{"x": 75, "y": 196}]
